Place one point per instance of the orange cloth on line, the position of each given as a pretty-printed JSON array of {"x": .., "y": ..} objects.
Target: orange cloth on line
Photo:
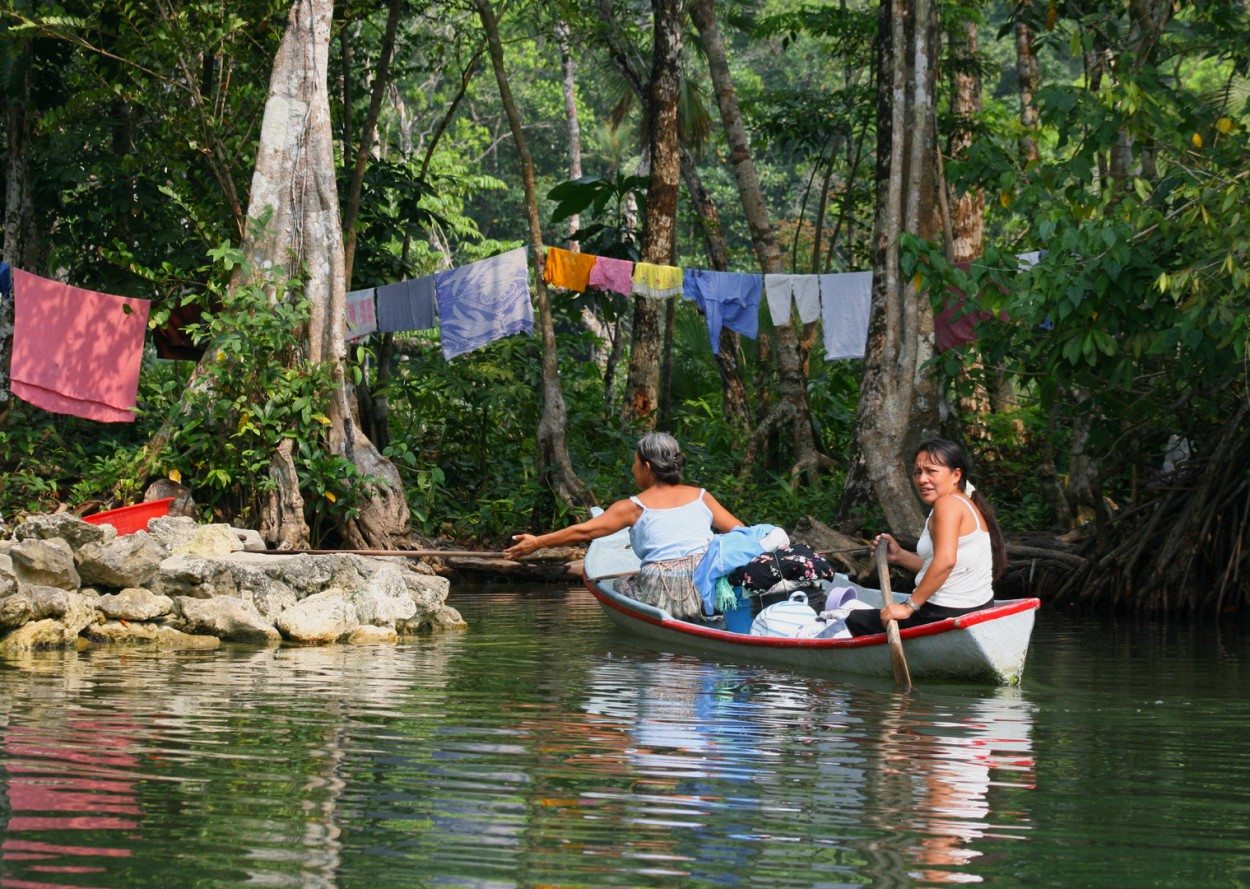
[
  {"x": 567, "y": 269},
  {"x": 76, "y": 351}
]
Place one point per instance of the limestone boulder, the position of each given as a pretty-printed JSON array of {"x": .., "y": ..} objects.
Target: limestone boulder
[
  {"x": 63, "y": 526},
  {"x": 15, "y": 610},
  {"x": 371, "y": 635},
  {"x": 36, "y": 635},
  {"x": 52, "y": 632},
  {"x": 50, "y": 601},
  {"x": 251, "y": 540},
  {"x": 8, "y": 577},
  {"x": 384, "y": 601},
  {"x": 183, "y": 504},
  {"x": 115, "y": 632},
  {"x": 428, "y": 591},
  {"x": 39, "y": 562},
  {"x": 321, "y": 618},
  {"x": 448, "y": 618},
  {"x": 157, "y": 636},
  {"x": 308, "y": 575},
  {"x": 225, "y": 617},
  {"x": 134, "y": 604},
  {"x": 128, "y": 561},
  {"x": 183, "y": 535},
  {"x": 258, "y": 583},
  {"x": 187, "y": 575},
  {"x": 172, "y": 531}
]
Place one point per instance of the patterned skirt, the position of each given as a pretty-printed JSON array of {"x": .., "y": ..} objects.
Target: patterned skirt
[{"x": 668, "y": 584}]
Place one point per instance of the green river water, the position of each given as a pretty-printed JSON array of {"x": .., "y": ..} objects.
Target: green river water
[{"x": 542, "y": 747}]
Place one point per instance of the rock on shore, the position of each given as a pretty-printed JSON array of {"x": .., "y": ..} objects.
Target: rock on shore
[{"x": 68, "y": 583}]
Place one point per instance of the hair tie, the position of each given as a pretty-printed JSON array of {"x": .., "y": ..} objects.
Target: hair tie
[{"x": 969, "y": 488}]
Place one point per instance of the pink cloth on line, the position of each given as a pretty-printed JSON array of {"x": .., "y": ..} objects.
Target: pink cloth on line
[
  {"x": 76, "y": 351},
  {"x": 616, "y": 275}
]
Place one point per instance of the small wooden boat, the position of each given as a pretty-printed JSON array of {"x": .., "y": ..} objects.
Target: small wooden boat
[{"x": 985, "y": 646}]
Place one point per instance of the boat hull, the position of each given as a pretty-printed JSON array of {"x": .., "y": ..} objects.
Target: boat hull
[{"x": 986, "y": 646}]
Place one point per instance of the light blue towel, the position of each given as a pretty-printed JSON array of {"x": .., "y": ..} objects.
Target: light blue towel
[
  {"x": 846, "y": 303},
  {"x": 483, "y": 301},
  {"x": 728, "y": 299},
  {"x": 727, "y": 551}
]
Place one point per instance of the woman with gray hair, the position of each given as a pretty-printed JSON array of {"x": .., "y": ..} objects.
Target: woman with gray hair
[{"x": 670, "y": 526}]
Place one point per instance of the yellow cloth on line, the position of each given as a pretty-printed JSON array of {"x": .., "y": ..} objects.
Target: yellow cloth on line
[{"x": 657, "y": 281}]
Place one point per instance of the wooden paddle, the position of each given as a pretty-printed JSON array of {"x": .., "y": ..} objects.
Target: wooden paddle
[{"x": 902, "y": 675}]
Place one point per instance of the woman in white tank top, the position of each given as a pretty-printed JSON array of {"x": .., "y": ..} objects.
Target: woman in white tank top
[
  {"x": 958, "y": 557},
  {"x": 670, "y": 526}
]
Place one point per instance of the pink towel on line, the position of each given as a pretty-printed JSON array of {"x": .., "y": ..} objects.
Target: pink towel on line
[
  {"x": 76, "y": 351},
  {"x": 616, "y": 275}
]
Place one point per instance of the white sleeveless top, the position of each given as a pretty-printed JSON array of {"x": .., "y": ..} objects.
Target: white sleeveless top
[
  {"x": 971, "y": 581},
  {"x": 661, "y": 534}
]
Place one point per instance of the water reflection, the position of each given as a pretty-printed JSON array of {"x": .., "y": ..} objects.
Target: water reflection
[
  {"x": 943, "y": 763},
  {"x": 77, "y": 777},
  {"x": 544, "y": 748},
  {"x": 705, "y": 744}
]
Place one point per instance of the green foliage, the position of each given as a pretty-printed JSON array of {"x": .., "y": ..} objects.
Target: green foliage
[
  {"x": 605, "y": 200},
  {"x": 236, "y": 414}
]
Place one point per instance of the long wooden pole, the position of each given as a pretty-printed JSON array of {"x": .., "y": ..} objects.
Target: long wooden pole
[
  {"x": 461, "y": 553},
  {"x": 902, "y": 675},
  {"x": 406, "y": 553}
]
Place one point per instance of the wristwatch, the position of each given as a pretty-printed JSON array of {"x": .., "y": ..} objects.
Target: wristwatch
[{"x": 912, "y": 605}]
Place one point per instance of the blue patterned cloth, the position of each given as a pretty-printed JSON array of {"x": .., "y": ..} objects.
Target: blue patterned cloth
[
  {"x": 483, "y": 301},
  {"x": 728, "y": 299}
]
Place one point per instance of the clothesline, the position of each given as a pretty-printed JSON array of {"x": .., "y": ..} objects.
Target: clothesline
[{"x": 64, "y": 360}]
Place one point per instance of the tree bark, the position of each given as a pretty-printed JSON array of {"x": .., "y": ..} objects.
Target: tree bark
[
  {"x": 659, "y": 231},
  {"x": 568, "y": 81},
  {"x": 553, "y": 454},
  {"x": 792, "y": 383},
  {"x": 381, "y": 78},
  {"x": 294, "y": 182},
  {"x": 898, "y": 404},
  {"x": 968, "y": 208},
  {"x": 737, "y": 405},
  {"x": 21, "y": 248},
  {"x": 1027, "y": 74}
]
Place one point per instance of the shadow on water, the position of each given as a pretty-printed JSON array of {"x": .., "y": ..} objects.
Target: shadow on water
[{"x": 544, "y": 748}]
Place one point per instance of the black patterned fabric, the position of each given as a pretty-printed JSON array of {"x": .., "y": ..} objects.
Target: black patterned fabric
[{"x": 796, "y": 563}]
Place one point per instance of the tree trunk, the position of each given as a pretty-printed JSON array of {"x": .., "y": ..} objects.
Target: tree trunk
[
  {"x": 792, "y": 384},
  {"x": 1148, "y": 19},
  {"x": 898, "y": 404},
  {"x": 20, "y": 245},
  {"x": 568, "y": 80},
  {"x": 1027, "y": 74},
  {"x": 294, "y": 180},
  {"x": 659, "y": 231},
  {"x": 967, "y": 209},
  {"x": 553, "y": 454},
  {"x": 381, "y": 78},
  {"x": 568, "y": 70},
  {"x": 737, "y": 409}
]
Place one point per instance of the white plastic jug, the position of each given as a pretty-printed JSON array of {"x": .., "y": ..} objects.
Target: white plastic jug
[{"x": 784, "y": 618}]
